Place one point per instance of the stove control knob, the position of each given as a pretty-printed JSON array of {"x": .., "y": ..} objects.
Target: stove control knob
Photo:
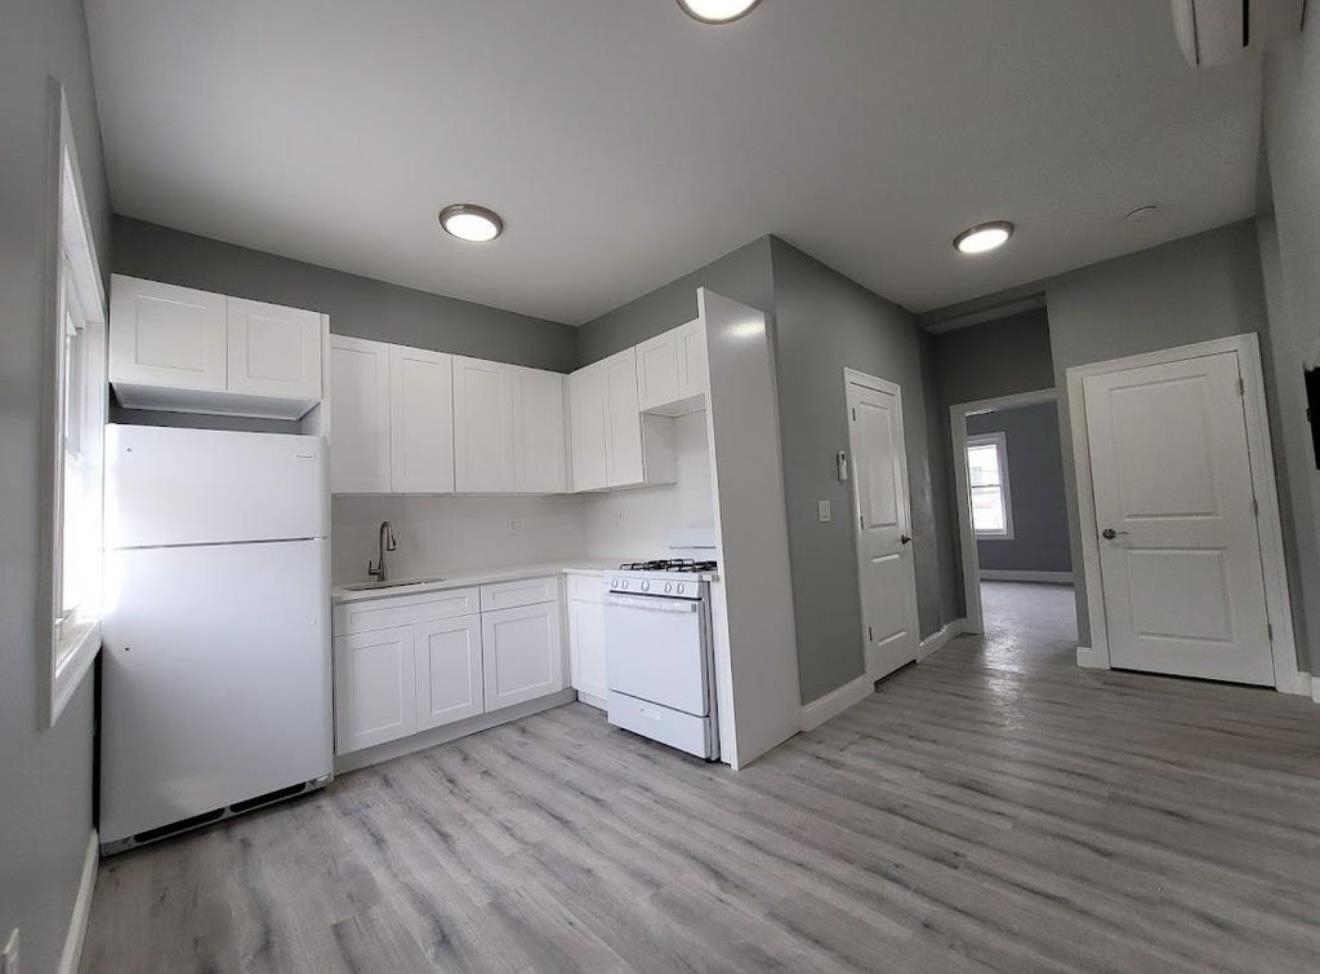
[
  {"x": 624, "y": 584},
  {"x": 681, "y": 588},
  {"x": 646, "y": 586},
  {"x": 669, "y": 588}
]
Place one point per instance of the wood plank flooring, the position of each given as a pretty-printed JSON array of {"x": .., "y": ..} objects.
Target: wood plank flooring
[{"x": 992, "y": 809}]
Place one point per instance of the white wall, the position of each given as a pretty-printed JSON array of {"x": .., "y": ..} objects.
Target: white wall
[{"x": 635, "y": 524}]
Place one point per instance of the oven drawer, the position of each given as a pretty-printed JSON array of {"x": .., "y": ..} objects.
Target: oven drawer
[{"x": 696, "y": 735}]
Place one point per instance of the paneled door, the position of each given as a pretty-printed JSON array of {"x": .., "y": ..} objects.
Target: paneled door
[
  {"x": 883, "y": 522},
  {"x": 1180, "y": 557}
]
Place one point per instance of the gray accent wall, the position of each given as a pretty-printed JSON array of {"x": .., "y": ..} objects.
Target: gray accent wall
[
  {"x": 1036, "y": 492},
  {"x": 46, "y": 797},
  {"x": 358, "y": 306}
]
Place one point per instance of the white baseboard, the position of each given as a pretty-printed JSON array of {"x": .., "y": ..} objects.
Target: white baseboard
[
  {"x": 836, "y": 702},
  {"x": 1315, "y": 688},
  {"x": 1297, "y": 684},
  {"x": 71, "y": 956},
  {"x": 1087, "y": 658},
  {"x": 939, "y": 638},
  {"x": 1008, "y": 575},
  {"x": 591, "y": 700}
]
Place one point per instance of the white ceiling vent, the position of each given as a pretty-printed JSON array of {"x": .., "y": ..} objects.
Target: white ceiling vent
[{"x": 1213, "y": 32}]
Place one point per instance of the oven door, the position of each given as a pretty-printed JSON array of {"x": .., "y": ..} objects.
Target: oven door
[{"x": 655, "y": 650}]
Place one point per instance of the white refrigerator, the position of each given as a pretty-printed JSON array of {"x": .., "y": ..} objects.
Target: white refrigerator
[{"x": 216, "y": 692}]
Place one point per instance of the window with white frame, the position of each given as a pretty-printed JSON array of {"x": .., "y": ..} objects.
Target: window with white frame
[
  {"x": 987, "y": 470},
  {"x": 76, "y": 446}
]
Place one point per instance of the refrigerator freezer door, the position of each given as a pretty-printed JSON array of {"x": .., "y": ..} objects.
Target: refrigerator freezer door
[
  {"x": 215, "y": 679},
  {"x": 168, "y": 486}
]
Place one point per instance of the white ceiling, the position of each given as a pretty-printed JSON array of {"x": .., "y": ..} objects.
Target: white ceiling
[{"x": 626, "y": 144}]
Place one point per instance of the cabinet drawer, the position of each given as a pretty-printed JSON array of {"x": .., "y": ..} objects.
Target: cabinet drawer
[
  {"x": 406, "y": 610},
  {"x": 586, "y": 588},
  {"x": 526, "y": 591}
]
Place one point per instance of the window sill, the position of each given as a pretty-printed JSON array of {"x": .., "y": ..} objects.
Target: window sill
[
  {"x": 994, "y": 537},
  {"x": 76, "y": 651}
]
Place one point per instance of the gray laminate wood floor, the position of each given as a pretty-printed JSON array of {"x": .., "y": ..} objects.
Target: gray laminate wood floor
[{"x": 994, "y": 808}]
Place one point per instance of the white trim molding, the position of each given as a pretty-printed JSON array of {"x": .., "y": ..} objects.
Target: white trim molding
[
  {"x": 971, "y": 564},
  {"x": 1088, "y": 660},
  {"x": 940, "y": 638},
  {"x": 1278, "y": 603},
  {"x": 1315, "y": 689},
  {"x": 837, "y": 701},
  {"x": 1013, "y": 575},
  {"x": 71, "y": 956}
]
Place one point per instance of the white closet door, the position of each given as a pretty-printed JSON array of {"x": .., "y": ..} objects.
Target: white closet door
[
  {"x": 449, "y": 676},
  {"x": 421, "y": 421},
  {"x": 624, "y": 444},
  {"x": 540, "y": 458},
  {"x": 483, "y": 427},
  {"x": 162, "y": 335},
  {"x": 360, "y": 410},
  {"x": 273, "y": 351},
  {"x": 589, "y": 428}
]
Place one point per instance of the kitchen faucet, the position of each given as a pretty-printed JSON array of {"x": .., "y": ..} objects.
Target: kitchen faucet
[{"x": 385, "y": 542}]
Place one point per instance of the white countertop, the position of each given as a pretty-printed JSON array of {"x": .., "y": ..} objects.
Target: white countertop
[{"x": 485, "y": 576}]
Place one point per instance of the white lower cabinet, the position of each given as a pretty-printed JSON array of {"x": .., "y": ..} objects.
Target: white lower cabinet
[
  {"x": 449, "y": 677},
  {"x": 375, "y": 688},
  {"x": 586, "y": 647},
  {"x": 523, "y": 654}
]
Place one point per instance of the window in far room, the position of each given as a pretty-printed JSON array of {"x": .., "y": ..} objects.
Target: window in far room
[{"x": 987, "y": 469}]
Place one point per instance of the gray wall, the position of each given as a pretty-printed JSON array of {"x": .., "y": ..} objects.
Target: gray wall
[
  {"x": 1192, "y": 290},
  {"x": 46, "y": 798},
  {"x": 743, "y": 275},
  {"x": 1035, "y": 479},
  {"x": 1290, "y": 252},
  {"x": 998, "y": 358},
  {"x": 357, "y": 306},
  {"x": 825, "y": 322}
]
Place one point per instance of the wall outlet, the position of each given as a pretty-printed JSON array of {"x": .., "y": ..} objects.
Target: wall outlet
[
  {"x": 823, "y": 512},
  {"x": 515, "y": 526},
  {"x": 9, "y": 958}
]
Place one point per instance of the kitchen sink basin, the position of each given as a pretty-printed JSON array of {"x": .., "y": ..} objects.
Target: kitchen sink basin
[{"x": 401, "y": 583}]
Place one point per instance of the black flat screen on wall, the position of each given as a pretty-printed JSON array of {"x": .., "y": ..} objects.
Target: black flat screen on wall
[{"x": 1313, "y": 409}]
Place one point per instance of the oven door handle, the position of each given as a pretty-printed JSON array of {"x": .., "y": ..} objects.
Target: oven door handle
[{"x": 651, "y": 604}]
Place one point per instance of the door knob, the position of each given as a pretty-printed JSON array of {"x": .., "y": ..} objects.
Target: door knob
[
  {"x": 904, "y": 539},
  {"x": 1109, "y": 534}
]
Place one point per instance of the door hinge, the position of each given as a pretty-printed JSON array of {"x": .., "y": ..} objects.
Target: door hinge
[
  {"x": 854, "y": 412},
  {"x": 1269, "y": 631},
  {"x": 870, "y": 635},
  {"x": 1255, "y": 507},
  {"x": 1242, "y": 387},
  {"x": 861, "y": 521}
]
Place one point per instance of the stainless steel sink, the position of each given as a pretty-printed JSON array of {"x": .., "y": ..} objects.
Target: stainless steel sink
[{"x": 401, "y": 583}]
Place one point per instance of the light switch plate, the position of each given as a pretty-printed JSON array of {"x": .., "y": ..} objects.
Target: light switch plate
[
  {"x": 9, "y": 958},
  {"x": 823, "y": 512}
]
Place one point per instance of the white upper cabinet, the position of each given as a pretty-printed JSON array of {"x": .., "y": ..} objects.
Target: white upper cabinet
[
  {"x": 483, "y": 427},
  {"x": 181, "y": 349},
  {"x": 624, "y": 453},
  {"x": 360, "y": 416},
  {"x": 274, "y": 351},
  {"x": 657, "y": 371},
  {"x": 539, "y": 449},
  {"x": 671, "y": 371},
  {"x": 421, "y": 421},
  {"x": 162, "y": 335},
  {"x": 589, "y": 429}
]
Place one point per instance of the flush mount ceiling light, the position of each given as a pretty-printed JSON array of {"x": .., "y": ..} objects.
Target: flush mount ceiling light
[
  {"x": 717, "y": 11},
  {"x": 983, "y": 238},
  {"x": 475, "y": 224}
]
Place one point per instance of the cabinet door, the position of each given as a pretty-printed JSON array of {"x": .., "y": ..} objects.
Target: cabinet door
[
  {"x": 449, "y": 677},
  {"x": 658, "y": 371},
  {"x": 624, "y": 446},
  {"x": 522, "y": 654},
  {"x": 691, "y": 357},
  {"x": 273, "y": 351},
  {"x": 360, "y": 416},
  {"x": 589, "y": 429},
  {"x": 421, "y": 421},
  {"x": 586, "y": 647},
  {"x": 483, "y": 427},
  {"x": 375, "y": 688},
  {"x": 162, "y": 335},
  {"x": 539, "y": 456}
]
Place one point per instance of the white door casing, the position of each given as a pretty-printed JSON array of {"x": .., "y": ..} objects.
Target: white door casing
[
  {"x": 882, "y": 522},
  {"x": 1179, "y": 553},
  {"x": 1259, "y": 460}
]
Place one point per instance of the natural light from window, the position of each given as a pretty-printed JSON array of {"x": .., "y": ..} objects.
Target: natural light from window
[{"x": 987, "y": 469}]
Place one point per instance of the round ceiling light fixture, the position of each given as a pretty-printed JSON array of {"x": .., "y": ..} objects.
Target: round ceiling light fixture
[
  {"x": 1144, "y": 214},
  {"x": 475, "y": 224},
  {"x": 717, "y": 11},
  {"x": 983, "y": 238}
]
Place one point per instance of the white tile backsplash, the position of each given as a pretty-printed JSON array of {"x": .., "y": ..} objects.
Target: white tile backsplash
[{"x": 449, "y": 534}]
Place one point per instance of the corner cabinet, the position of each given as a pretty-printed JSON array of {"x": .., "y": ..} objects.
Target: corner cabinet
[
  {"x": 185, "y": 350},
  {"x": 614, "y": 445}
]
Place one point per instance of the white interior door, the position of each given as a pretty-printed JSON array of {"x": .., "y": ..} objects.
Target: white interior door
[
  {"x": 882, "y": 517},
  {"x": 1180, "y": 556}
]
